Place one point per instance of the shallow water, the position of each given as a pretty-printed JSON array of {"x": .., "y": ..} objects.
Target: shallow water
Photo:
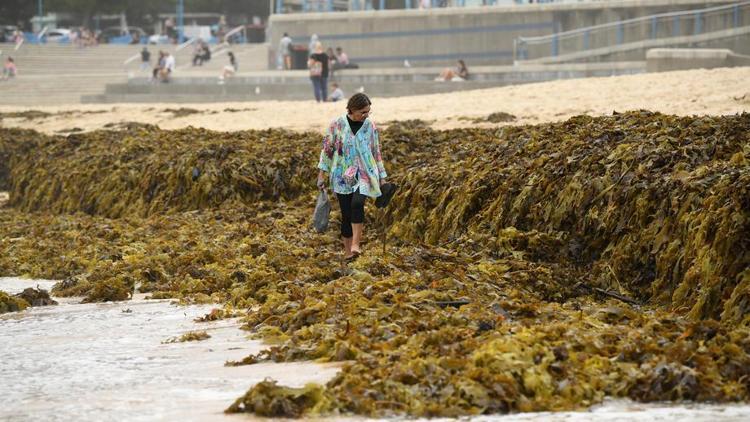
[{"x": 101, "y": 362}]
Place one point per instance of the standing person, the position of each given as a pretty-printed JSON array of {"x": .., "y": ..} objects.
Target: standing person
[
  {"x": 145, "y": 59},
  {"x": 318, "y": 65},
  {"x": 313, "y": 40},
  {"x": 332, "y": 64},
  {"x": 230, "y": 69},
  {"x": 285, "y": 49},
  {"x": 159, "y": 66},
  {"x": 169, "y": 63},
  {"x": 170, "y": 30},
  {"x": 351, "y": 156}
]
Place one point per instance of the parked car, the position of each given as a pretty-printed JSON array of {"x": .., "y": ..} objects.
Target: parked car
[
  {"x": 158, "y": 39},
  {"x": 6, "y": 32},
  {"x": 57, "y": 35},
  {"x": 111, "y": 32}
]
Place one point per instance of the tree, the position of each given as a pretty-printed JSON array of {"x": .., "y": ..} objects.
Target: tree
[{"x": 17, "y": 12}]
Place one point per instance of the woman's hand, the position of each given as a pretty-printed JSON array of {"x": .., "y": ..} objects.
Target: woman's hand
[{"x": 321, "y": 180}]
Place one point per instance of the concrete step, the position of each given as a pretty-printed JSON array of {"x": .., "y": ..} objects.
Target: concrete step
[
  {"x": 202, "y": 84},
  {"x": 241, "y": 92}
]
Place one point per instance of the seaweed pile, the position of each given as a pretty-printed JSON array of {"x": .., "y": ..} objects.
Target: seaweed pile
[
  {"x": 21, "y": 301},
  {"x": 10, "y": 303},
  {"x": 189, "y": 336},
  {"x": 14, "y": 145},
  {"x": 528, "y": 267},
  {"x": 144, "y": 170}
]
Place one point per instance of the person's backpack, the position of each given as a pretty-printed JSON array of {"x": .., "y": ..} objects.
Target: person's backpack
[{"x": 316, "y": 68}]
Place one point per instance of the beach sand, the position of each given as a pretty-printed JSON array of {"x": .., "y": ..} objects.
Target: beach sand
[{"x": 715, "y": 92}]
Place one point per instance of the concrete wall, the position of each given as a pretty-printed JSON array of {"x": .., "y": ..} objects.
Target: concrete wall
[
  {"x": 736, "y": 40},
  {"x": 480, "y": 35},
  {"x": 669, "y": 59}
]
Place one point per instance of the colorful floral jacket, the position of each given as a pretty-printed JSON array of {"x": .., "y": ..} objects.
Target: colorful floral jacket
[{"x": 352, "y": 161}]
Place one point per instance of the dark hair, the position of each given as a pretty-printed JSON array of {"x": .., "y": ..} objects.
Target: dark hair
[
  {"x": 358, "y": 101},
  {"x": 463, "y": 65}
]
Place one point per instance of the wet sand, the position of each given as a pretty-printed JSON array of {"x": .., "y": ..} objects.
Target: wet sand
[
  {"x": 714, "y": 92},
  {"x": 109, "y": 361}
]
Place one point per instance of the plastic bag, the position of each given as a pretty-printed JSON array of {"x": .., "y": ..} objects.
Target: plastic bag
[{"x": 322, "y": 209}]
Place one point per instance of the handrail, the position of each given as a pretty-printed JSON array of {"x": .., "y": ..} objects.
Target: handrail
[
  {"x": 185, "y": 44},
  {"x": 235, "y": 30},
  {"x": 219, "y": 46},
  {"x": 218, "y": 53},
  {"x": 673, "y": 25},
  {"x": 41, "y": 34},
  {"x": 131, "y": 58},
  {"x": 680, "y": 13}
]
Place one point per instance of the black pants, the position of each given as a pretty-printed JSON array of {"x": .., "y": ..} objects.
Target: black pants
[{"x": 352, "y": 211}]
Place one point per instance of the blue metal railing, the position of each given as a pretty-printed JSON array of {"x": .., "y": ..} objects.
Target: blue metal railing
[
  {"x": 652, "y": 27},
  {"x": 296, "y": 6}
]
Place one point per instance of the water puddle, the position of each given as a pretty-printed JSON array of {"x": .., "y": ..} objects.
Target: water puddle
[{"x": 97, "y": 362}]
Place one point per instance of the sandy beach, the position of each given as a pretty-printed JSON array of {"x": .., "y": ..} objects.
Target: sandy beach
[{"x": 715, "y": 92}]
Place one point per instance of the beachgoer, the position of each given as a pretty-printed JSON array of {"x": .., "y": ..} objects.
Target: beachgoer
[
  {"x": 342, "y": 60},
  {"x": 337, "y": 94},
  {"x": 230, "y": 69},
  {"x": 159, "y": 66},
  {"x": 341, "y": 57},
  {"x": 9, "y": 69},
  {"x": 145, "y": 59},
  {"x": 168, "y": 68},
  {"x": 202, "y": 54},
  {"x": 318, "y": 65},
  {"x": 351, "y": 157},
  {"x": 170, "y": 30},
  {"x": 285, "y": 50},
  {"x": 458, "y": 73},
  {"x": 311, "y": 44},
  {"x": 332, "y": 61}
]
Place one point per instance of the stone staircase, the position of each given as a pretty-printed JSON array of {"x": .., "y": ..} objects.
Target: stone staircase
[
  {"x": 52, "y": 74},
  {"x": 295, "y": 84}
]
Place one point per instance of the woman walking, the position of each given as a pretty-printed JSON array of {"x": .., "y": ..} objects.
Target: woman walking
[
  {"x": 318, "y": 65},
  {"x": 351, "y": 157}
]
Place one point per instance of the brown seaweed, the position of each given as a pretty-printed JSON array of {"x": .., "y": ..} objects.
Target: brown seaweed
[
  {"x": 189, "y": 336},
  {"x": 36, "y": 297},
  {"x": 477, "y": 305},
  {"x": 10, "y": 303}
]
